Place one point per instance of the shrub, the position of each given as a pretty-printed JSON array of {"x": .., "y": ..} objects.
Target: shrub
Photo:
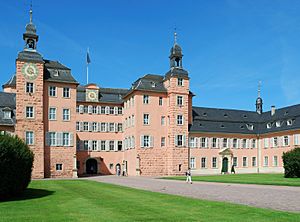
[
  {"x": 291, "y": 163},
  {"x": 16, "y": 160}
]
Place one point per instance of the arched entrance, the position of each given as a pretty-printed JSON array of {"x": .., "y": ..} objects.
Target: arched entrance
[
  {"x": 225, "y": 165},
  {"x": 91, "y": 166},
  {"x": 118, "y": 169}
]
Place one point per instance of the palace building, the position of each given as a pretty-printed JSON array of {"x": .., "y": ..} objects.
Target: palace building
[{"x": 149, "y": 129}]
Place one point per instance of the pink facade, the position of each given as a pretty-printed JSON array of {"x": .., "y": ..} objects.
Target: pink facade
[{"x": 150, "y": 129}]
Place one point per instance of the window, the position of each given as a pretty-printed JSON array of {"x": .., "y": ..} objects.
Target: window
[
  {"x": 266, "y": 161},
  {"x": 66, "y": 114},
  {"x": 102, "y": 110},
  {"x": 66, "y": 139},
  {"x": 94, "y": 145},
  {"x": 253, "y": 145},
  {"x": 289, "y": 122},
  {"x": 234, "y": 143},
  {"x": 66, "y": 92},
  {"x": 146, "y": 99},
  {"x": 103, "y": 127},
  {"x": 203, "y": 162},
  {"x": 163, "y": 141},
  {"x": 111, "y": 145},
  {"x": 120, "y": 127},
  {"x": 102, "y": 145},
  {"x": 160, "y": 101},
  {"x": 52, "y": 91},
  {"x": 58, "y": 167},
  {"x": 214, "y": 142},
  {"x": 29, "y": 112},
  {"x": 111, "y": 110},
  {"x": 77, "y": 109},
  {"x": 85, "y": 144},
  {"x": 203, "y": 142},
  {"x": 29, "y": 87},
  {"x": 179, "y": 140},
  {"x": 163, "y": 120},
  {"x": 52, "y": 138},
  {"x": 94, "y": 126},
  {"x": 269, "y": 125},
  {"x": 94, "y": 111},
  {"x": 180, "y": 82},
  {"x": 286, "y": 140},
  {"x": 146, "y": 141},
  {"x": 111, "y": 127},
  {"x": 296, "y": 139},
  {"x": 120, "y": 146},
  {"x": 245, "y": 162},
  {"x": 85, "y": 109},
  {"x": 225, "y": 141},
  {"x": 146, "y": 119},
  {"x": 52, "y": 113},
  {"x": 179, "y": 120},
  {"x": 179, "y": 100},
  {"x": 214, "y": 162},
  {"x": 29, "y": 138},
  {"x": 244, "y": 143},
  {"x": 192, "y": 163},
  {"x": 6, "y": 114},
  {"x": 278, "y": 123},
  {"x": 254, "y": 161},
  {"x": 120, "y": 110},
  {"x": 85, "y": 126},
  {"x": 266, "y": 142},
  {"x": 235, "y": 161},
  {"x": 192, "y": 142},
  {"x": 275, "y": 161},
  {"x": 275, "y": 141}
]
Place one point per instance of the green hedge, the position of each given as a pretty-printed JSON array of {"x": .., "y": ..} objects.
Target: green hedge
[
  {"x": 16, "y": 161},
  {"x": 291, "y": 163}
]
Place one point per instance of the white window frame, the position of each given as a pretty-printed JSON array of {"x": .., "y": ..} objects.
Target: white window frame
[
  {"x": 52, "y": 116},
  {"x": 66, "y": 116},
  {"x": 52, "y": 91},
  {"x": 146, "y": 119},
  {"x": 29, "y": 87},
  {"x": 66, "y": 93},
  {"x": 29, "y": 114},
  {"x": 146, "y": 99},
  {"x": 193, "y": 163},
  {"x": 29, "y": 137}
]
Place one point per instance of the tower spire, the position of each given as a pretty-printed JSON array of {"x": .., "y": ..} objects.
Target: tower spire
[
  {"x": 258, "y": 89},
  {"x": 175, "y": 36},
  {"x": 259, "y": 101},
  {"x": 30, "y": 13}
]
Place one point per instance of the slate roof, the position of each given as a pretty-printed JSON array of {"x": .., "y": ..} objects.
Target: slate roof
[
  {"x": 7, "y": 102},
  {"x": 57, "y": 72},
  {"x": 11, "y": 82},
  {"x": 106, "y": 95},
  {"x": 215, "y": 120}
]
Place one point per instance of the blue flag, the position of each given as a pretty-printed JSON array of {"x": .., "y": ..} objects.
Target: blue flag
[{"x": 88, "y": 59}]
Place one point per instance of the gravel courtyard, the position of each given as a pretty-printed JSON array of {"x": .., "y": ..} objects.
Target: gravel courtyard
[{"x": 283, "y": 198}]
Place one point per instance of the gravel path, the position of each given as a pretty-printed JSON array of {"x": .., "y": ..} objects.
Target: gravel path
[{"x": 283, "y": 198}]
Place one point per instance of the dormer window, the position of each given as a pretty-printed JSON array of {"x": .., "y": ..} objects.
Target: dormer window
[
  {"x": 7, "y": 114},
  {"x": 222, "y": 126},
  {"x": 269, "y": 125},
  {"x": 180, "y": 82},
  {"x": 153, "y": 84},
  {"x": 204, "y": 114},
  {"x": 278, "y": 124},
  {"x": 55, "y": 72},
  {"x": 250, "y": 126},
  {"x": 245, "y": 116},
  {"x": 286, "y": 112},
  {"x": 225, "y": 115},
  {"x": 289, "y": 122}
]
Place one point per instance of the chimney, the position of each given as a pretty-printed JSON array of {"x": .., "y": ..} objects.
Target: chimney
[{"x": 272, "y": 110}]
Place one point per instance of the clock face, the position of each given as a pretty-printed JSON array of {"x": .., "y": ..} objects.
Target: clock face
[
  {"x": 92, "y": 95},
  {"x": 30, "y": 71}
]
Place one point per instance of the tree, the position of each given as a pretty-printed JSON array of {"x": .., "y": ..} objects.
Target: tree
[
  {"x": 16, "y": 161},
  {"x": 291, "y": 163}
]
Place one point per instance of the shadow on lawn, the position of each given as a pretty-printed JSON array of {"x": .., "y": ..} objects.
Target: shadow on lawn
[{"x": 31, "y": 193}]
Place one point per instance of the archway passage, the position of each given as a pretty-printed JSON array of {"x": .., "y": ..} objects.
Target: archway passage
[
  {"x": 91, "y": 166},
  {"x": 225, "y": 165},
  {"x": 118, "y": 169}
]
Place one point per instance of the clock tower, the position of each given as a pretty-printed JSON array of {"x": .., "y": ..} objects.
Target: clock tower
[{"x": 29, "y": 97}]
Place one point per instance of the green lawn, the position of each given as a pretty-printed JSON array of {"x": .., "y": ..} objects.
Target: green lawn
[
  {"x": 267, "y": 179},
  {"x": 81, "y": 200}
]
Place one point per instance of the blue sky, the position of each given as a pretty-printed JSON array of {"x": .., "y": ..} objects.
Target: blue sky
[{"x": 228, "y": 45}]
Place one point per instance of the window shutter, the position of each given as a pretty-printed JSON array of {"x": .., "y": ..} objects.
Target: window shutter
[
  {"x": 151, "y": 141},
  {"x": 90, "y": 126},
  {"x": 47, "y": 138},
  {"x": 106, "y": 145},
  {"x": 116, "y": 110},
  {"x": 90, "y": 109},
  {"x": 106, "y": 127},
  {"x": 206, "y": 142},
  {"x": 116, "y": 145},
  {"x": 80, "y": 126},
  {"x": 81, "y": 109},
  {"x": 59, "y": 141},
  {"x": 98, "y": 109},
  {"x": 184, "y": 141},
  {"x": 142, "y": 141},
  {"x": 71, "y": 136},
  {"x": 90, "y": 145},
  {"x": 107, "y": 110},
  {"x": 176, "y": 140}
]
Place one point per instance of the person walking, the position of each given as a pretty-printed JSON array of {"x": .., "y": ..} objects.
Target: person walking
[
  {"x": 232, "y": 169},
  {"x": 188, "y": 176}
]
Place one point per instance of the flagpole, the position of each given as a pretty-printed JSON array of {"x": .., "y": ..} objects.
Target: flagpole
[{"x": 87, "y": 66}]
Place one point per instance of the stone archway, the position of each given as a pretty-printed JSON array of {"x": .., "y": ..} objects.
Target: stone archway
[{"x": 91, "y": 166}]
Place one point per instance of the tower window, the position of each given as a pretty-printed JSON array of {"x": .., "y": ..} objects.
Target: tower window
[
  {"x": 29, "y": 112},
  {"x": 177, "y": 62},
  {"x": 66, "y": 92},
  {"x": 29, "y": 87},
  {"x": 179, "y": 100},
  {"x": 180, "y": 82},
  {"x": 30, "y": 44},
  {"x": 52, "y": 91},
  {"x": 146, "y": 99}
]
